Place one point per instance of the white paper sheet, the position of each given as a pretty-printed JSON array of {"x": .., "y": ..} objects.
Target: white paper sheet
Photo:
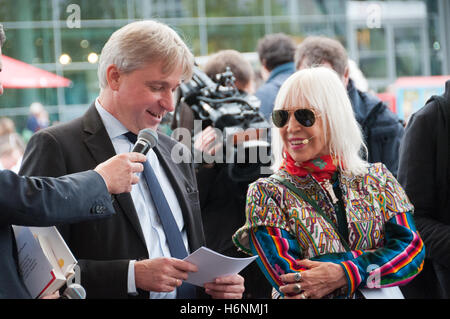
[
  {"x": 212, "y": 265},
  {"x": 382, "y": 293}
]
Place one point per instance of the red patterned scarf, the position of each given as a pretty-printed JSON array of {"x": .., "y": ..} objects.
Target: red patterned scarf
[{"x": 322, "y": 168}]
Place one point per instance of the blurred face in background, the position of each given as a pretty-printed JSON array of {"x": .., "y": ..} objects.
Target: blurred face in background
[{"x": 10, "y": 158}]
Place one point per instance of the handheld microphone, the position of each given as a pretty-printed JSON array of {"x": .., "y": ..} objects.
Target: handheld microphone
[
  {"x": 306, "y": 140},
  {"x": 74, "y": 291},
  {"x": 146, "y": 140}
]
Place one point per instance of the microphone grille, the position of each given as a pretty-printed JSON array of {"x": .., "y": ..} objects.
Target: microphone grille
[
  {"x": 150, "y": 136},
  {"x": 75, "y": 291}
]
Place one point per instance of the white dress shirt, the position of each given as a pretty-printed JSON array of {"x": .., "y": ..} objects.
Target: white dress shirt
[{"x": 151, "y": 226}]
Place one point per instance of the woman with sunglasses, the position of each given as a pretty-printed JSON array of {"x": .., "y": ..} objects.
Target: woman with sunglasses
[{"x": 327, "y": 223}]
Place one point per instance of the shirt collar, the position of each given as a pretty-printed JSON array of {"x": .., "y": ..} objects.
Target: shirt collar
[
  {"x": 112, "y": 125},
  {"x": 289, "y": 66}
]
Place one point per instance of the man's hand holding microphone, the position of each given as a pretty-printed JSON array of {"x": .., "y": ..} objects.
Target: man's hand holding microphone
[{"x": 119, "y": 172}]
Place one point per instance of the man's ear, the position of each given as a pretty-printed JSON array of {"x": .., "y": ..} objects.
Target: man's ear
[
  {"x": 346, "y": 76},
  {"x": 113, "y": 76},
  {"x": 265, "y": 73}
]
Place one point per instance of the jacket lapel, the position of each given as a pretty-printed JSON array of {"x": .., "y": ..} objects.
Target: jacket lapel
[{"x": 100, "y": 146}]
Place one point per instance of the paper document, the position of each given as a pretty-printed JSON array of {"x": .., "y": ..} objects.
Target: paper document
[
  {"x": 212, "y": 265},
  {"x": 382, "y": 293}
]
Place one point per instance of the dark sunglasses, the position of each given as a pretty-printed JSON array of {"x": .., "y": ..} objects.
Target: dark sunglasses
[{"x": 305, "y": 117}]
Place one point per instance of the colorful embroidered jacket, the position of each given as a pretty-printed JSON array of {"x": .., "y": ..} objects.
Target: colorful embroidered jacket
[{"x": 382, "y": 249}]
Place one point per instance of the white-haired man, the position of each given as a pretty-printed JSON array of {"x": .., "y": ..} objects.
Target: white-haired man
[{"x": 140, "y": 66}]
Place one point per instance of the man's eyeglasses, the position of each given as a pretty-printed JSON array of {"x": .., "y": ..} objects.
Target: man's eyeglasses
[{"x": 305, "y": 117}]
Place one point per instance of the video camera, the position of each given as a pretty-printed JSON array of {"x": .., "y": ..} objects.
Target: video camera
[{"x": 220, "y": 104}]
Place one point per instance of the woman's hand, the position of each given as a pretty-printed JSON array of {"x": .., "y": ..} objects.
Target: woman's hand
[{"x": 319, "y": 280}]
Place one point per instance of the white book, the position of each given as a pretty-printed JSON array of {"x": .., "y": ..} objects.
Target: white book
[{"x": 45, "y": 261}]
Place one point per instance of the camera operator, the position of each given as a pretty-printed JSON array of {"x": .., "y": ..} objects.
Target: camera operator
[{"x": 222, "y": 185}]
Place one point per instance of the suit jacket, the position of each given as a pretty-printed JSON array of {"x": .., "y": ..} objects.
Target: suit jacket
[
  {"x": 104, "y": 248},
  {"x": 43, "y": 202}
]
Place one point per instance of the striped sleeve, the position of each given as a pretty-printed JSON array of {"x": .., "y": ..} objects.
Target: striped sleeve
[
  {"x": 394, "y": 264},
  {"x": 397, "y": 263},
  {"x": 278, "y": 251}
]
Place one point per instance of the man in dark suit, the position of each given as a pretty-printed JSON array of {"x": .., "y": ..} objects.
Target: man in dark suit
[
  {"x": 32, "y": 201},
  {"x": 424, "y": 173},
  {"x": 139, "y": 68}
]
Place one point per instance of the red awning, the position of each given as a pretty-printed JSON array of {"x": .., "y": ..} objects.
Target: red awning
[{"x": 20, "y": 75}]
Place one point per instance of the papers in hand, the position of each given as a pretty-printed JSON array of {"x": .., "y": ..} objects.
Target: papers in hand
[
  {"x": 212, "y": 265},
  {"x": 45, "y": 261}
]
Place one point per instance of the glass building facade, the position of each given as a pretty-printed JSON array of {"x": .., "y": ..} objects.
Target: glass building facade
[{"x": 387, "y": 39}]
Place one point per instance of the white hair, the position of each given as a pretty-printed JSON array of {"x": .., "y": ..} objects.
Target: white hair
[
  {"x": 322, "y": 88},
  {"x": 36, "y": 108},
  {"x": 142, "y": 42}
]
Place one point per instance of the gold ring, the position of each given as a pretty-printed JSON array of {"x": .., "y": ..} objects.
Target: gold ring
[
  {"x": 297, "y": 276},
  {"x": 297, "y": 288}
]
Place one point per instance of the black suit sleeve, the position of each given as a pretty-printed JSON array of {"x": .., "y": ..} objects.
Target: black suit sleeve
[
  {"x": 43, "y": 157},
  {"x": 33, "y": 201},
  {"x": 50, "y": 201},
  {"x": 417, "y": 174},
  {"x": 100, "y": 276}
]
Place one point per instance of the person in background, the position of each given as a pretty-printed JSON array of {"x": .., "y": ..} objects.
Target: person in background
[
  {"x": 382, "y": 130},
  {"x": 222, "y": 196},
  {"x": 38, "y": 201},
  {"x": 139, "y": 253},
  {"x": 327, "y": 223},
  {"x": 424, "y": 172},
  {"x": 38, "y": 118},
  {"x": 241, "y": 68},
  {"x": 276, "y": 54},
  {"x": 7, "y": 126},
  {"x": 218, "y": 64},
  {"x": 11, "y": 152},
  {"x": 12, "y": 145}
]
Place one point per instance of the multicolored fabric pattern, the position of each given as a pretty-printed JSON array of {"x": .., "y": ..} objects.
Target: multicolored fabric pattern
[{"x": 385, "y": 249}]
